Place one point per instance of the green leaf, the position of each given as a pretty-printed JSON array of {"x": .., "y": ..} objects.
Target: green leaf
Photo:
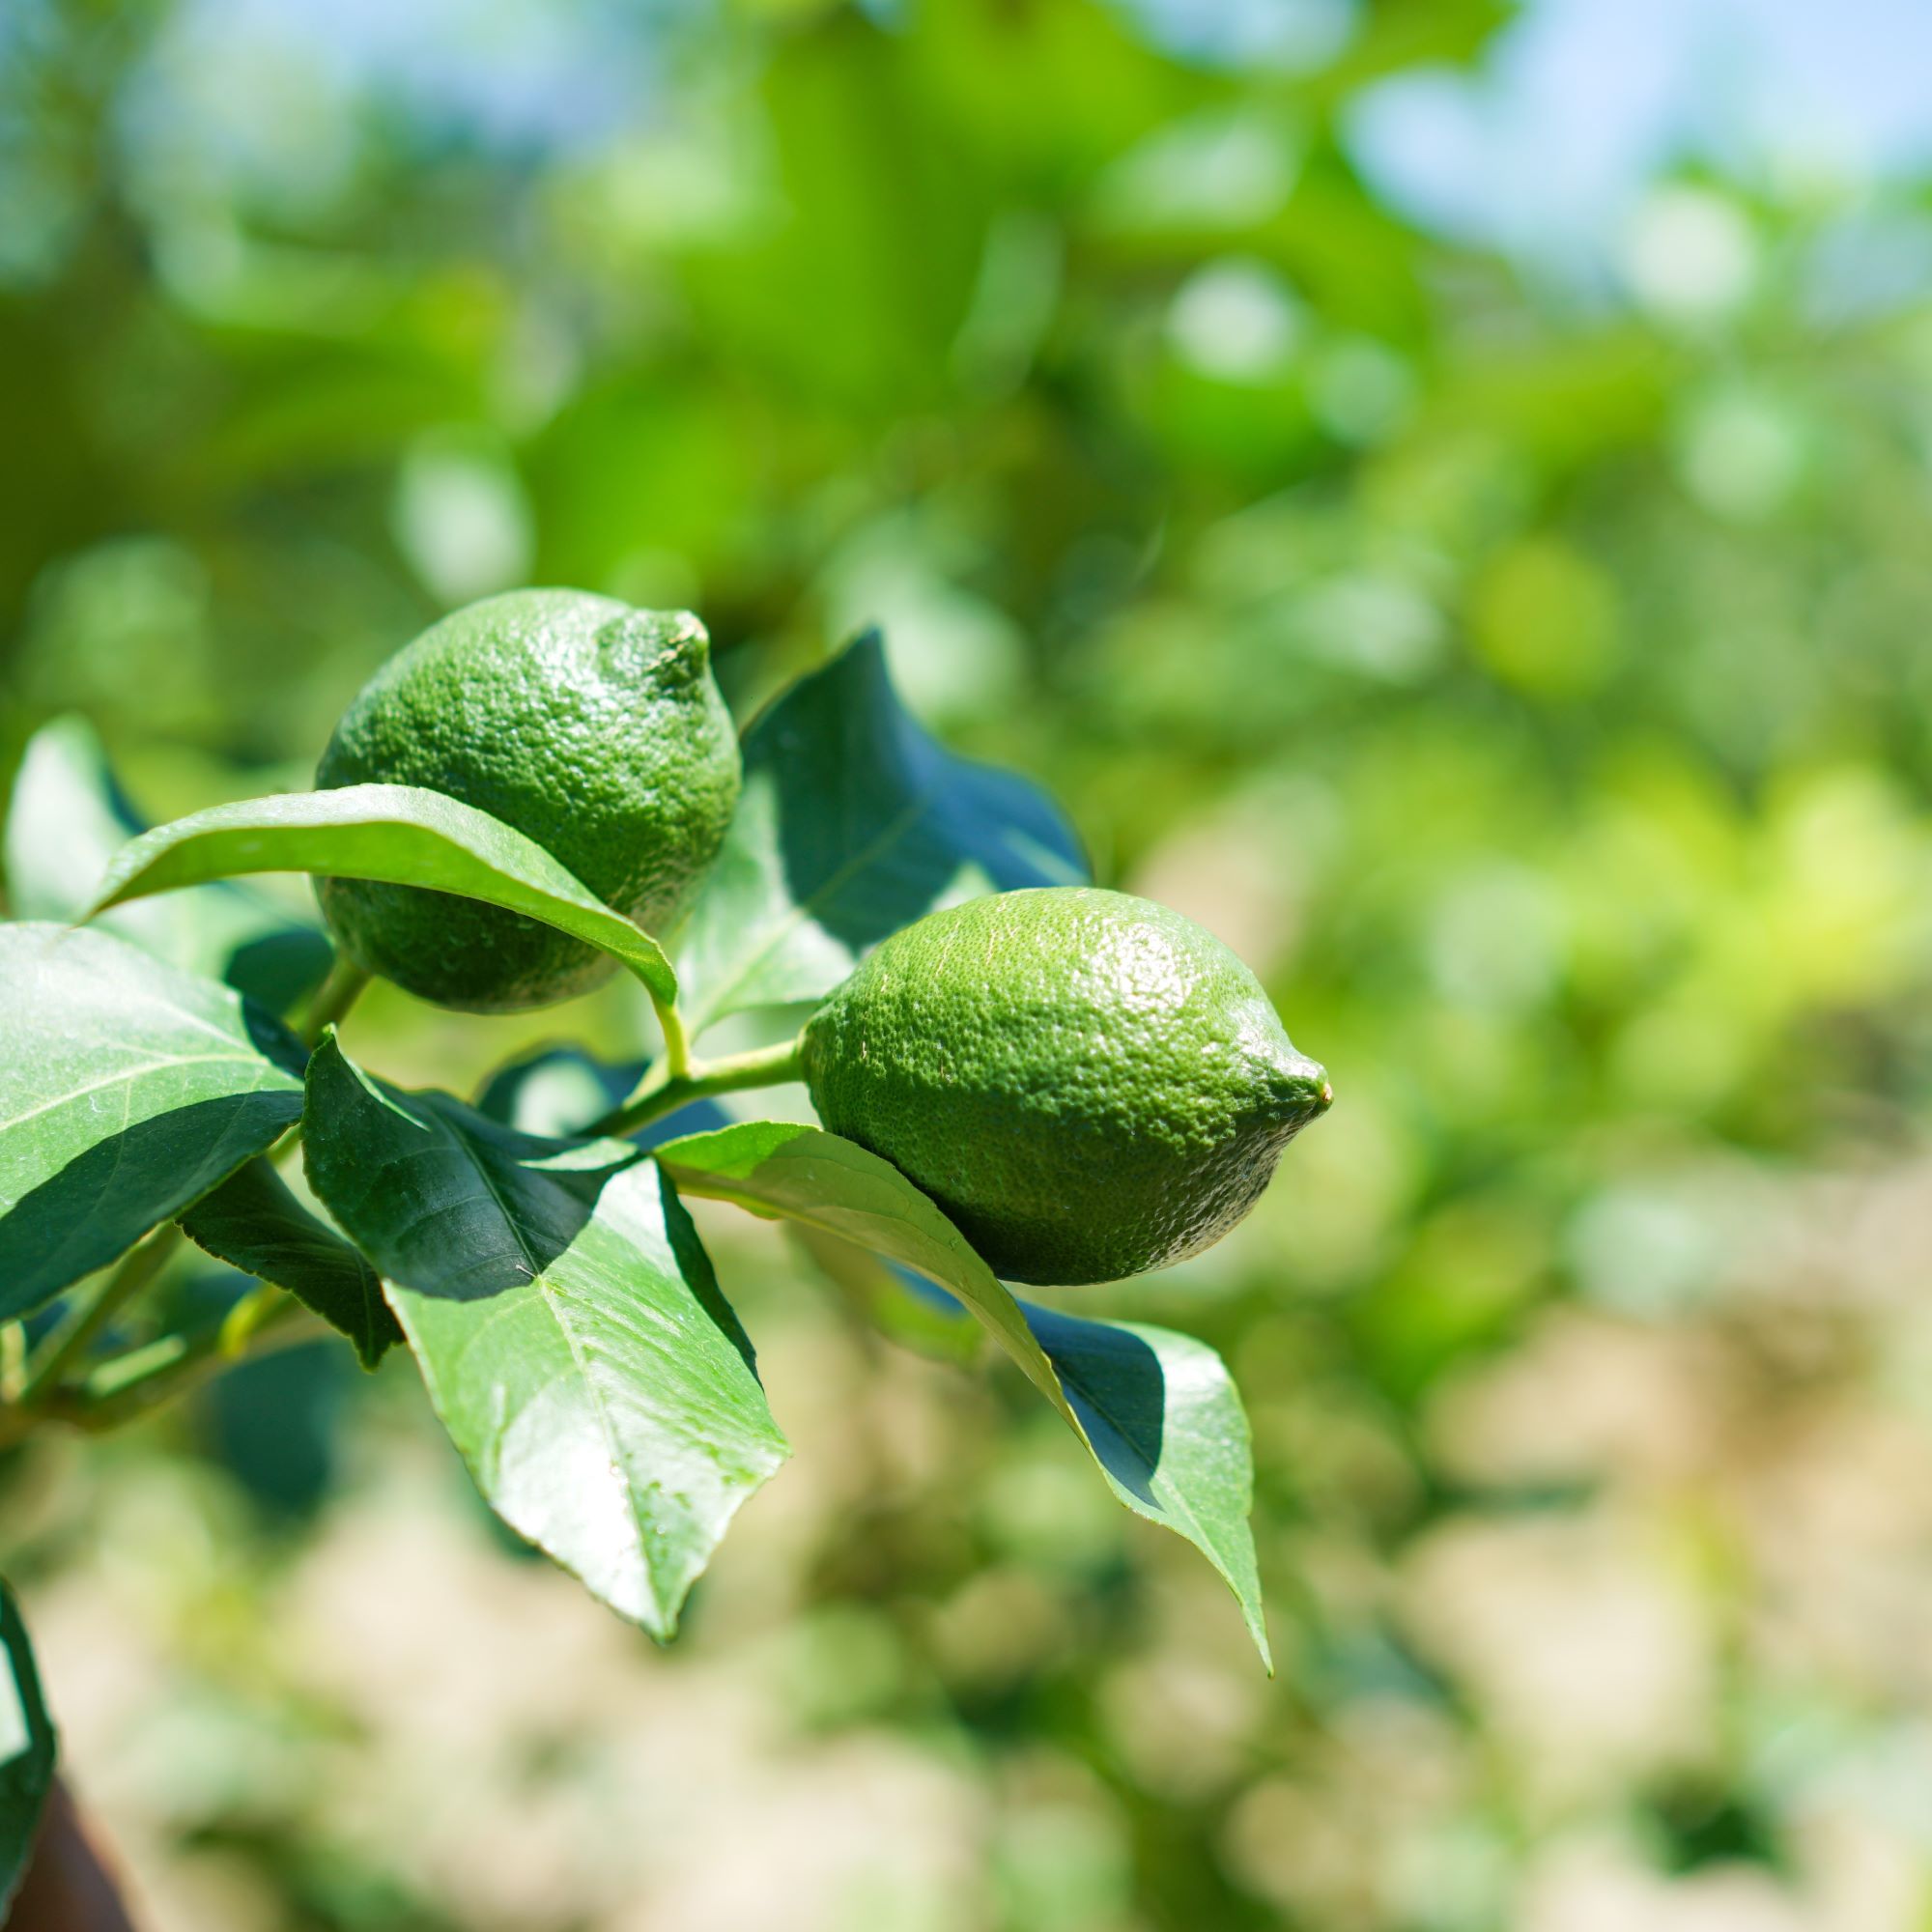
[
  {"x": 568, "y": 1326},
  {"x": 127, "y": 1089},
  {"x": 254, "y": 1222},
  {"x": 904, "y": 1307},
  {"x": 1165, "y": 1425},
  {"x": 854, "y": 822},
  {"x": 66, "y": 819},
  {"x": 27, "y": 1750},
  {"x": 1157, "y": 1411},
  {"x": 69, "y": 817},
  {"x": 398, "y": 833}
]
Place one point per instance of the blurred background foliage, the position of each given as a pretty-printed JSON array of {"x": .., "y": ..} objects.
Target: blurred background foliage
[{"x": 1441, "y": 493}]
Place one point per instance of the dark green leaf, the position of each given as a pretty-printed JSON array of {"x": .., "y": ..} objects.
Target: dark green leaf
[
  {"x": 398, "y": 833},
  {"x": 568, "y": 1326},
  {"x": 1156, "y": 1410},
  {"x": 127, "y": 1089},
  {"x": 254, "y": 1222},
  {"x": 27, "y": 1748},
  {"x": 67, "y": 820},
  {"x": 853, "y": 823}
]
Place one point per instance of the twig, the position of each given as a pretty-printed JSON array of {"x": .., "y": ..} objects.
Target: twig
[{"x": 83, "y": 1322}]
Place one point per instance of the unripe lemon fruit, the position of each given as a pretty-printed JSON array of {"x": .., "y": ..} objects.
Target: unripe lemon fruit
[
  {"x": 1089, "y": 1084},
  {"x": 590, "y": 728}
]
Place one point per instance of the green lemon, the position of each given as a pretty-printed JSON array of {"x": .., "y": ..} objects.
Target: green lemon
[
  {"x": 1089, "y": 1084},
  {"x": 592, "y": 729}
]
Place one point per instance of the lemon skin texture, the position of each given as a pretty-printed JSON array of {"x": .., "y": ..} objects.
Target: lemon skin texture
[
  {"x": 593, "y": 728},
  {"x": 1090, "y": 1085}
]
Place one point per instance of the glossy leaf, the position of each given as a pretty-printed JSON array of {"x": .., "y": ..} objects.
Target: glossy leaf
[
  {"x": 127, "y": 1091},
  {"x": 854, "y": 822},
  {"x": 66, "y": 819},
  {"x": 1165, "y": 1425},
  {"x": 1157, "y": 1411},
  {"x": 398, "y": 833},
  {"x": 568, "y": 1326},
  {"x": 27, "y": 1750},
  {"x": 254, "y": 1222}
]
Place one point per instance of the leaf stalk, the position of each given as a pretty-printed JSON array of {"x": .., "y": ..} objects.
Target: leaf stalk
[{"x": 333, "y": 998}]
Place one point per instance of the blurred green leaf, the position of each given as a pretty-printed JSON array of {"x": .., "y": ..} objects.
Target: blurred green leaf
[
  {"x": 558, "y": 1091},
  {"x": 903, "y": 1306},
  {"x": 865, "y": 194},
  {"x": 568, "y": 1326},
  {"x": 127, "y": 1091}
]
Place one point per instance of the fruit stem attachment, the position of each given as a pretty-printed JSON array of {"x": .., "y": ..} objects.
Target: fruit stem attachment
[
  {"x": 663, "y": 1091},
  {"x": 333, "y": 998}
]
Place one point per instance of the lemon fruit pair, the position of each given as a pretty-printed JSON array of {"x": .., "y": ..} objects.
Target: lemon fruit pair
[{"x": 1090, "y": 1085}]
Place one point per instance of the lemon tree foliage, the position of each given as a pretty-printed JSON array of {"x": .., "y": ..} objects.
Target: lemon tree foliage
[
  {"x": 900, "y": 1302},
  {"x": 254, "y": 1222},
  {"x": 394, "y": 835},
  {"x": 532, "y": 1248},
  {"x": 557, "y": 1089}
]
